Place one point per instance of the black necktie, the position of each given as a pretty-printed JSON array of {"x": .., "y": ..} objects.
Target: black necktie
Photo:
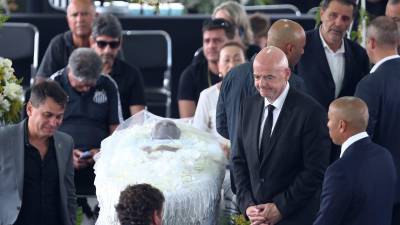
[{"x": 266, "y": 135}]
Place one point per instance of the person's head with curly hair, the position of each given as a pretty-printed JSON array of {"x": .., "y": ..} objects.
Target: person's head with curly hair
[{"x": 140, "y": 204}]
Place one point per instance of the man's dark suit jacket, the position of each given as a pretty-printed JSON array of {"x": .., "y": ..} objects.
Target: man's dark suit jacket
[
  {"x": 291, "y": 171},
  {"x": 381, "y": 91},
  {"x": 313, "y": 67},
  {"x": 236, "y": 86},
  {"x": 359, "y": 188}
]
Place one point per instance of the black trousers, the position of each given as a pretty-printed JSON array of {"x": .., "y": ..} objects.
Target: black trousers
[{"x": 396, "y": 214}]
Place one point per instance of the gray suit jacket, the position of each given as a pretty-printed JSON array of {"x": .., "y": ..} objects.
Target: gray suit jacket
[{"x": 12, "y": 174}]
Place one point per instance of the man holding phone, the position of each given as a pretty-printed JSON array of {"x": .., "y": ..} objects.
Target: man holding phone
[{"x": 92, "y": 113}]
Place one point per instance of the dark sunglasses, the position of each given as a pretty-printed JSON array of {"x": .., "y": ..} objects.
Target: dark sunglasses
[
  {"x": 216, "y": 23},
  {"x": 112, "y": 44}
]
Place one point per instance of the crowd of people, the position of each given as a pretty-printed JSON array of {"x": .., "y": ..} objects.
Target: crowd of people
[{"x": 308, "y": 127}]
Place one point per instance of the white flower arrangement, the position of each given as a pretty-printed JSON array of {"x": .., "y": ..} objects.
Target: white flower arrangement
[{"x": 11, "y": 93}]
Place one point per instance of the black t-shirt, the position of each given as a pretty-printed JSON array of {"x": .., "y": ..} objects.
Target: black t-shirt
[
  {"x": 56, "y": 56},
  {"x": 195, "y": 78},
  {"x": 41, "y": 192},
  {"x": 130, "y": 85}
]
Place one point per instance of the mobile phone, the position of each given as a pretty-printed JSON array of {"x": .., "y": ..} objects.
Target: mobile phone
[{"x": 86, "y": 155}]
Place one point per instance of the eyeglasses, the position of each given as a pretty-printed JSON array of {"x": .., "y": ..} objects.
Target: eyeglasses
[
  {"x": 112, "y": 44},
  {"x": 216, "y": 23}
]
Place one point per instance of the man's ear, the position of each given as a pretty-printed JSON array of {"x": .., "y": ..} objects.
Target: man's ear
[
  {"x": 342, "y": 126},
  {"x": 92, "y": 41},
  {"x": 157, "y": 217},
  {"x": 29, "y": 107}
]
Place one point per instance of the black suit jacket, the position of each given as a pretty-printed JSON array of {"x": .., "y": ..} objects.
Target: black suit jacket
[
  {"x": 359, "y": 187},
  {"x": 291, "y": 172},
  {"x": 313, "y": 67},
  {"x": 381, "y": 91}
]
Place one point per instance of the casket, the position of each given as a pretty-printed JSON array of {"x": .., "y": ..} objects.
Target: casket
[{"x": 189, "y": 171}]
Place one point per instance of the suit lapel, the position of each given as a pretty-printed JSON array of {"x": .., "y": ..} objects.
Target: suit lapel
[
  {"x": 18, "y": 145},
  {"x": 58, "y": 145},
  {"x": 348, "y": 60},
  {"x": 280, "y": 125},
  {"x": 324, "y": 65},
  {"x": 258, "y": 113}
]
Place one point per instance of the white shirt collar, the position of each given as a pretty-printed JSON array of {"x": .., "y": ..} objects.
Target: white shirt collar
[
  {"x": 278, "y": 103},
  {"x": 326, "y": 46},
  {"x": 380, "y": 62},
  {"x": 351, "y": 140}
]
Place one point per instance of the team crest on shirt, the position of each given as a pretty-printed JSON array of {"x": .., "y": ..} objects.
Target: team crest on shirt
[{"x": 100, "y": 97}]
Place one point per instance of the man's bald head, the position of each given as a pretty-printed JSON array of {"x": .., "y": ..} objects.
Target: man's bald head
[
  {"x": 81, "y": 3},
  {"x": 271, "y": 72},
  {"x": 347, "y": 116},
  {"x": 80, "y": 16},
  {"x": 353, "y": 110},
  {"x": 271, "y": 56},
  {"x": 290, "y": 37}
]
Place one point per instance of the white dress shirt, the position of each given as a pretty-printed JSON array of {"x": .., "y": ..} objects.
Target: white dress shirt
[
  {"x": 336, "y": 64},
  {"x": 278, "y": 103},
  {"x": 380, "y": 62},
  {"x": 351, "y": 140}
]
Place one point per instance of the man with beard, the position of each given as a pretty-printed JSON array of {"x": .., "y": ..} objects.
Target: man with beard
[
  {"x": 201, "y": 74},
  {"x": 80, "y": 15},
  {"x": 106, "y": 40}
]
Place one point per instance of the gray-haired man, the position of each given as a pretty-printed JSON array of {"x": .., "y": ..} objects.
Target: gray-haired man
[{"x": 92, "y": 113}]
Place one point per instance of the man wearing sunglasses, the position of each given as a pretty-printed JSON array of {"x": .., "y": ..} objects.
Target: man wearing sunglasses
[
  {"x": 106, "y": 40},
  {"x": 80, "y": 15}
]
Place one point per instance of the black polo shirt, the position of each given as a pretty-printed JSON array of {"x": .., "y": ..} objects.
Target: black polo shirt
[
  {"x": 56, "y": 55},
  {"x": 87, "y": 118},
  {"x": 195, "y": 78},
  {"x": 130, "y": 85},
  {"x": 41, "y": 192},
  {"x": 88, "y": 115}
]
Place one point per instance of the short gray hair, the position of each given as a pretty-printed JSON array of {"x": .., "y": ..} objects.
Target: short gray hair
[
  {"x": 85, "y": 64},
  {"x": 106, "y": 24},
  {"x": 385, "y": 31}
]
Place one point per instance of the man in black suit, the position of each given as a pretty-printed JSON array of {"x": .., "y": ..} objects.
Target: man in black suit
[
  {"x": 285, "y": 34},
  {"x": 282, "y": 147},
  {"x": 359, "y": 187},
  {"x": 332, "y": 65},
  {"x": 380, "y": 90}
]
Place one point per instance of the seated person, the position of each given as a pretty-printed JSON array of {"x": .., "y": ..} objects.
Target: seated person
[
  {"x": 235, "y": 13},
  {"x": 92, "y": 112},
  {"x": 106, "y": 40},
  {"x": 80, "y": 15},
  {"x": 140, "y": 204},
  {"x": 203, "y": 73},
  {"x": 260, "y": 25},
  {"x": 231, "y": 55}
]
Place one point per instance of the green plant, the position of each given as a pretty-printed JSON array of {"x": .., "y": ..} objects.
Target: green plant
[{"x": 240, "y": 220}]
